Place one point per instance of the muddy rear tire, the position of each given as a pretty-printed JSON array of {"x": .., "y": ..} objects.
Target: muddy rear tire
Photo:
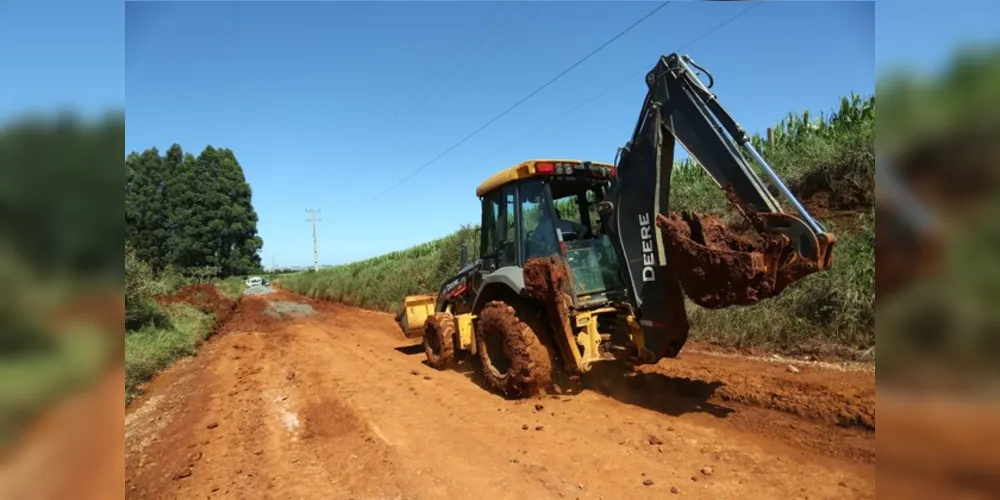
[
  {"x": 515, "y": 350},
  {"x": 439, "y": 340}
]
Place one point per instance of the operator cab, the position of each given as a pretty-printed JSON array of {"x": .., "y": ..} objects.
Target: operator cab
[{"x": 542, "y": 208}]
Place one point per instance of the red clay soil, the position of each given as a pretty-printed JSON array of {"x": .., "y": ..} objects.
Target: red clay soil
[
  {"x": 544, "y": 278},
  {"x": 204, "y": 297},
  {"x": 335, "y": 405},
  {"x": 939, "y": 445},
  {"x": 73, "y": 449},
  {"x": 547, "y": 280},
  {"x": 717, "y": 267},
  {"x": 824, "y": 396},
  {"x": 821, "y": 198}
]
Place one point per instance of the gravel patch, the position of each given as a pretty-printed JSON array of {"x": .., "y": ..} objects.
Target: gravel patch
[
  {"x": 258, "y": 290},
  {"x": 284, "y": 308}
]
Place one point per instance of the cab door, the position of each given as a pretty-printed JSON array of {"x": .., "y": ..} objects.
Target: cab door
[{"x": 499, "y": 241}]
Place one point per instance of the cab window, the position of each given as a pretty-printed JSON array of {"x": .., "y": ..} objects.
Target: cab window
[
  {"x": 499, "y": 238},
  {"x": 537, "y": 220}
]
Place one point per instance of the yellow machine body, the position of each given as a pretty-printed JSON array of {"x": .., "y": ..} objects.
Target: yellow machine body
[{"x": 416, "y": 309}]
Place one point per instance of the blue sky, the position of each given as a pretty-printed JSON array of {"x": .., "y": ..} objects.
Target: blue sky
[{"x": 326, "y": 105}]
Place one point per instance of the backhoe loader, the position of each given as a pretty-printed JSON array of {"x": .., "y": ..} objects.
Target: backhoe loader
[{"x": 582, "y": 261}]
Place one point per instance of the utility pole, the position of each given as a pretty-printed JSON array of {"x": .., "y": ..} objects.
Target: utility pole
[{"x": 312, "y": 218}]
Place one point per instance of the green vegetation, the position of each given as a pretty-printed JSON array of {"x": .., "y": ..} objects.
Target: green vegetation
[
  {"x": 187, "y": 220},
  {"x": 943, "y": 131},
  {"x": 33, "y": 378},
  {"x": 231, "y": 287},
  {"x": 153, "y": 347},
  {"x": 828, "y": 161},
  {"x": 382, "y": 282},
  {"x": 191, "y": 214},
  {"x": 158, "y": 334},
  {"x": 832, "y": 312},
  {"x": 58, "y": 244}
]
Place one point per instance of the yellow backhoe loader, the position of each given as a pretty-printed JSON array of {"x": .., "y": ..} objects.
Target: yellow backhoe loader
[{"x": 582, "y": 262}]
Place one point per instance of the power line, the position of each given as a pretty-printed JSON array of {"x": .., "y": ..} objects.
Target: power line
[
  {"x": 484, "y": 55},
  {"x": 641, "y": 72},
  {"x": 523, "y": 100},
  {"x": 446, "y": 60}
]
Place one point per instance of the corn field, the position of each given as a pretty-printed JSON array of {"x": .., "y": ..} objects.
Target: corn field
[
  {"x": 802, "y": 145},
  {"x": 380, "y": 283}
]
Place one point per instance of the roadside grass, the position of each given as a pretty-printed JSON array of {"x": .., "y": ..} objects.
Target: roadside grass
[
  {"x": 231, "y": 288},
  {"x": 380, "y": 283},
  {"x": 158, "y": 334},
  {"x": 154, "y": 347},
  {"x": 31, "y": 379}
]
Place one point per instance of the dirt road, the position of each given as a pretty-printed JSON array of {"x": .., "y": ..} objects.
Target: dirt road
[{"x": 298, "y": 399}]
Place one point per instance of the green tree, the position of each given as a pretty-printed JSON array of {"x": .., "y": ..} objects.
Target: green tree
[
  {"x": 191, "y": 213},
  {"x": 146, "y": 209},
  {"x": 58, "y": 182}
]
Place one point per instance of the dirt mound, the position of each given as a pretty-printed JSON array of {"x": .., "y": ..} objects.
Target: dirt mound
[
  {"x": 204, "y": 297},
  {"x": 253, "y": 314},
  {"x": 845, "y": 186}
]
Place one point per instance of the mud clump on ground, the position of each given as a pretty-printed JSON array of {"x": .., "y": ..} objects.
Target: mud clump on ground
[
  {"x": 204, "y": 297},
  {"x": 716, "y": 267}
]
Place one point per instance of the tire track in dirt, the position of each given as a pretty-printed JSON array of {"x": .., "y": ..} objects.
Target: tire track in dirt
[
  {"x": 243, "y": 421},
  {"x": 333, "y": 406},
  {"x": 587, "y": 428}
]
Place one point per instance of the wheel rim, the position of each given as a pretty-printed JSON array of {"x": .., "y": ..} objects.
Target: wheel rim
[{"x": 499, "y": 362}]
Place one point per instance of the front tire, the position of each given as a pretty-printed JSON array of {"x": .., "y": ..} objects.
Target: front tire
[
  {"x": 439, "y": 340},
  {"x": 515, "y": 350}
]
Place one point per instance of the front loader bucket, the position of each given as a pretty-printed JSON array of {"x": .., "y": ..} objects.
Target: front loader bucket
[
  {"x": 719, "y": 268},
  {"x": 416, "y": 309}
]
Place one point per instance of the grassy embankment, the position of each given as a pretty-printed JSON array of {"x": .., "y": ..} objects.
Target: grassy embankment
[
  {"x": 157, "y": 333},
  {"x": 827, "y": 161}
]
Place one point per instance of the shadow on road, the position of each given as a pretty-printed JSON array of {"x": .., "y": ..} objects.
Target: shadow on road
[
  {"x": 654, "y": 391},
  {"x": 411, "y": 350}
]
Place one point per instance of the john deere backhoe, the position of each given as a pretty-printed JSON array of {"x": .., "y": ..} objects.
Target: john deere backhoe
[{"x": 578, "y": 263}]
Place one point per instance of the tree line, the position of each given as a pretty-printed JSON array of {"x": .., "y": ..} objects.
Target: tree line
[{"x": 191, "y": 214}]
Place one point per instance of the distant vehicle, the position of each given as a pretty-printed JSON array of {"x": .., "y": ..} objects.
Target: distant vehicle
[
  {"x": 254, "y": 281},
  {"x": 265, "y": 282}
]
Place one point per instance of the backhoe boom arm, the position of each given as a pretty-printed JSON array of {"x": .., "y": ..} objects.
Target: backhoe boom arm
[{"x": 660, "y": 261}]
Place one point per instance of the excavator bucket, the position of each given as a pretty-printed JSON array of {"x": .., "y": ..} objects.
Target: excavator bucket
[
  {"x": 416, "y": 310},
  {"x": 715, "y": 266},
  {"x": 718, "y": 267}
]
